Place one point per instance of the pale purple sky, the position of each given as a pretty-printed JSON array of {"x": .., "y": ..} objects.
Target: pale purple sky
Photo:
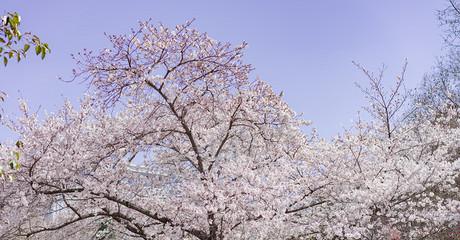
[{"x": 303, "y": 48}]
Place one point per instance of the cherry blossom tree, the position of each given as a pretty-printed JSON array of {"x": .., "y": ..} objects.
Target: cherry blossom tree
[
  {"x": 390, "y": 178},
  {"x": 173, "y": 141}
]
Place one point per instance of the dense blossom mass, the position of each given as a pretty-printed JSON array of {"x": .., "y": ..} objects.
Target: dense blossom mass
[{"x": 174, "y": 141}]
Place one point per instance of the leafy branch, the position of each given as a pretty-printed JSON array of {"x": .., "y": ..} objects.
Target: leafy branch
[{"x": 14, "y": 44}]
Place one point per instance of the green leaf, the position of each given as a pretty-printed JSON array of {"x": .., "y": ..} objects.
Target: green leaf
[
  {"x": 18, "y": 57},
  {"x": 35, "y": 40},
  {"x": 43, "y": 52},
  {"x": 19, "y": 144},
  {"x": 2, "y": 40},
  {"x": 26, "y": 47},
  {"x": 5, "y": 61},
  {"x": 12, "y": 165},
  {"x": 9, "y": 35},
  {"x": 1, "y": 49},
  {"x": 38, "y": 49},
  {"x": 10, "y": 54},
  {"x": 16, "y": 18},
  {"x": 47, "y": 47},
  {"x": 16, "y": 155}
]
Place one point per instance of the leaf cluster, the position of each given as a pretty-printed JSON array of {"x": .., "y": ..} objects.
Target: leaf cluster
[{"x": 14, "y": 44}]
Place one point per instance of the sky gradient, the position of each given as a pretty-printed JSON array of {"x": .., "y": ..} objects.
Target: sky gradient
[{"x": 303, "y": 48}]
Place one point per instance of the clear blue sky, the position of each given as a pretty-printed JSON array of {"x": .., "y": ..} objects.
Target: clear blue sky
[{"x": 304, "y": 48}]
